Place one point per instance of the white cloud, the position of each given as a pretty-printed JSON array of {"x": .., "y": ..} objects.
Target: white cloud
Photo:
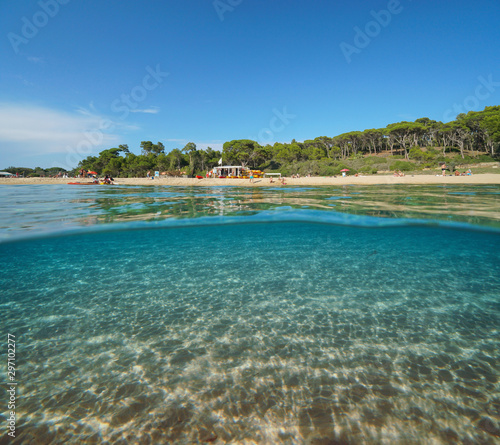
[
  {"x": 29, "y": 130},
  {"x": 25, "y": 81},
  {"x": 45, "y": 127},
  {"x": 214, "y": 145},
  {"x": 36, "y": 59},
  {"x": 152, "y": 110},
  {"x": 200, "y": 145}
]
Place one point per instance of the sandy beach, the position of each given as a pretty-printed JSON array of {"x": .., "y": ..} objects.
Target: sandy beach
[{"x": 265, "y": 182}]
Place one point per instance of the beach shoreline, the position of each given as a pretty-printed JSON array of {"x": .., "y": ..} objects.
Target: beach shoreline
[{"x": 487, "y": 178}]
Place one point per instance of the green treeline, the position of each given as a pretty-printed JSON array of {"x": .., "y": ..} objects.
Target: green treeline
[{"x": 402, "y": 146}]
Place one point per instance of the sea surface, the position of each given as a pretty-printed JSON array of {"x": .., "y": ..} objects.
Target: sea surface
[{"x": 225, "y": 315}]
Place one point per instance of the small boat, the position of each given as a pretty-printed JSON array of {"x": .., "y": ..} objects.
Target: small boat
[{"x": 89, "y": 183}]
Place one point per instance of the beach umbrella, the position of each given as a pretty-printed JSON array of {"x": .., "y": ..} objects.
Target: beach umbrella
[
  {"x": 92, "y": 173},
  {"x": 344, "y": 170}
]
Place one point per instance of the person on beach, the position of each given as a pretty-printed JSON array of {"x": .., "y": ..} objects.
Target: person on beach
[
  {"x": 443, "y": 169},
  {"x": 251, "y": 176}
]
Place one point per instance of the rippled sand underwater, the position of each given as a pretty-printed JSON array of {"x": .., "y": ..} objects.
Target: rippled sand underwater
[{"x": 279, "y": 333}]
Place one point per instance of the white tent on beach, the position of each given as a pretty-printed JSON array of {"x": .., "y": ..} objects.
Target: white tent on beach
[{"x": 6, "y": 174}]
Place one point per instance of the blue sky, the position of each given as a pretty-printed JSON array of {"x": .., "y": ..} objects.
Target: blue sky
[{"x": 78, "y": 76}]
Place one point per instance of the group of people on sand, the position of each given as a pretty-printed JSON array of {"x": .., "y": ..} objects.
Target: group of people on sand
[
  {"x": 281, "y": 180},
  {"x": 85, "y": 174},
  {"x": 465, "y": 173},
  {"x": 398, "y": 173},
  {"x": 457, "y": 173},
  {"x": 106, "y": 180}
]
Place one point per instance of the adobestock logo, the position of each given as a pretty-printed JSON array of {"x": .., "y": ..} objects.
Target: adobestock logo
[
  {"x": 223, "y": 6},
  {"x": 129, "y": 102},
  {"x": 126, "y": 104},
  {"x": 484, "y": 89},
  {"x": 29, "y": 29},
  {"x": 363, "y": 37},
  {"x": 277, "y": 123}
]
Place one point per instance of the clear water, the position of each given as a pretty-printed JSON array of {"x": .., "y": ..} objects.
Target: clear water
[
  {"x": 279, "y": 320},
  {"x": 44, "y": 209}
]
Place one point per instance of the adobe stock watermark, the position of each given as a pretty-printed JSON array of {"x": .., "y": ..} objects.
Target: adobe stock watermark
[
  {"x": 29, "y": 28},
  {"x": 279, "y": 121},
  {"x": 223, "y": 6},
  {"x": 484, "y": 89},
  {"x": 124, "y": 105},
  {"x": 363, "y": 37}
]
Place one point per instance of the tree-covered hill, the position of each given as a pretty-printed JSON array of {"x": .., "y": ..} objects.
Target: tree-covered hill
[{"x": 474, "y": 136}]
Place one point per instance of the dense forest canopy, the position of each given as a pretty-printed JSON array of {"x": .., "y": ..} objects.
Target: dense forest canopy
[{"x": 424, "y": 141}]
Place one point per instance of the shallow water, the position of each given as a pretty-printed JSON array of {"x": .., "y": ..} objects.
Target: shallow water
[
  {"x": 323, "y": 328},
  {"x": 40, "y": 209}
]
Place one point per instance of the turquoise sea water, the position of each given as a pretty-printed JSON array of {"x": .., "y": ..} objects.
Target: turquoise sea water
[{"x": 234, "y": 315}]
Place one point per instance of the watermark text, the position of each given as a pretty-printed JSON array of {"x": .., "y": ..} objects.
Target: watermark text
[
  {"x": 12, "y": 384},
  {"x": 30, "y": 27},
  {"x": 222, "y": 7},
  {"x": 277, "y": 123},
  {"x": 483, "y": 90},
  {"x": 363, "y": 37}
]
